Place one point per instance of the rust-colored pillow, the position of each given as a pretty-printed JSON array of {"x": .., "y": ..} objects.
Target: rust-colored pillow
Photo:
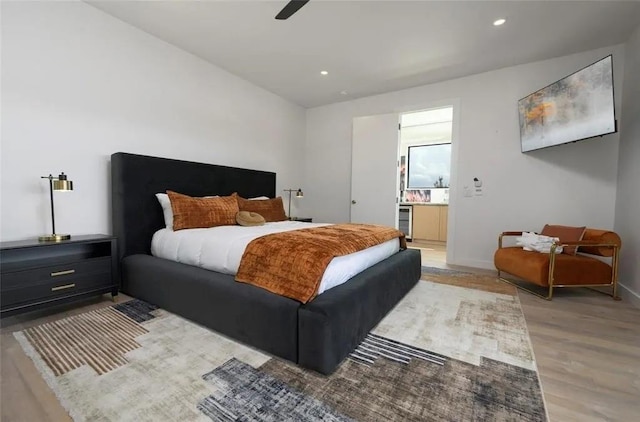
[
  {"x": 566, "y": 234},
  {"x": 271, "y": 209},
  {"x": 195, "y": 213}
]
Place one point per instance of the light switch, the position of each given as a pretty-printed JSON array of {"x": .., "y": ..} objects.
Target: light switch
[{"x": 477, "y": 183}]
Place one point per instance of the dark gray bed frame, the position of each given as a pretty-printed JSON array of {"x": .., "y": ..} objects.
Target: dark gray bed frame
[{"x": 317, "y": 335}]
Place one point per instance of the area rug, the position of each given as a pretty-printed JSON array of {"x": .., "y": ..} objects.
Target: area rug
[{"x": 445, "y": 353}]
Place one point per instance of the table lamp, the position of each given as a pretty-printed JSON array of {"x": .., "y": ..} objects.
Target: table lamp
[
  {"x": 299, "y": 194},
  {"x": 62, "y": 184}
]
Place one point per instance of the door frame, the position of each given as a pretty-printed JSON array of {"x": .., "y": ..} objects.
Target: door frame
[{"x": 455, "y": 147}]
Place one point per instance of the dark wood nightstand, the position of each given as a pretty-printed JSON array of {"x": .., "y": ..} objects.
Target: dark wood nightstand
[
  {"x": 37, "y": 274},
  {"x": 303, "y": 219}
]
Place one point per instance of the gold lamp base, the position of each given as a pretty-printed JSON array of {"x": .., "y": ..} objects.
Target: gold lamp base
[{"x": 54, "y": 237}]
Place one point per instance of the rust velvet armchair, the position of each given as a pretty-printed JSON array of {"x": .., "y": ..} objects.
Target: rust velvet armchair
[{"x": 552, "y": 270}]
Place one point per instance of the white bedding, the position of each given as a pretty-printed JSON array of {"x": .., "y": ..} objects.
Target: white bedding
[{"x": 220, "y": 249}]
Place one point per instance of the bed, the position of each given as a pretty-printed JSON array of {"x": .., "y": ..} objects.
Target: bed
[{"x": 317, "y": 335}]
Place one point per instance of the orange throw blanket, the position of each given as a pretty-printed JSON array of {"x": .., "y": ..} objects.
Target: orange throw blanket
[{"x": 292, "y": 263}]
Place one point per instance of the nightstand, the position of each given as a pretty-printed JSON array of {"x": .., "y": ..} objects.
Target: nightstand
[
  {"x": 37, "y": 274},
  {"x": 302, "y": 219}
]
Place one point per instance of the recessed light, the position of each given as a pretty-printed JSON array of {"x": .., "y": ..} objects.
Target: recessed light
[
  {"x": 324, "y": 72},
  {"x": 343, "y": 92},
  {"x": 499, "y": 22}
]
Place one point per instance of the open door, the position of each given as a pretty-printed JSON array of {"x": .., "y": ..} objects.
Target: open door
[{"x": 375, "y": 170}]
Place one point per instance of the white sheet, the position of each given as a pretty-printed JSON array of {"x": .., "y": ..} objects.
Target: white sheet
[
  {"x": 220, "y": 249},
  {"x": 536, "y": 242}
]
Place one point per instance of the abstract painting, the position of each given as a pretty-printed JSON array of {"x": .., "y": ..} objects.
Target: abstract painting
[{"x": 577, "y": 107}]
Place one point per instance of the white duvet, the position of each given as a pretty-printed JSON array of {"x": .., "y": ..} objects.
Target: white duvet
[{"x": 220, "y": 249}]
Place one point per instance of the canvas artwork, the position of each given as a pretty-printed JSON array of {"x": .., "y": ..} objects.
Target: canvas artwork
[
  {"x": 417, "y": 195},
  {"x": 577, "y": 107}
]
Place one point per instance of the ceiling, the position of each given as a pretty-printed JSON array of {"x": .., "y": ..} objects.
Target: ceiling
[{"x": 371, "y": 47}]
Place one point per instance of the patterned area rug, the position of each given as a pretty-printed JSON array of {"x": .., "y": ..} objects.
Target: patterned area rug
[{"x": 445, "y": 353}]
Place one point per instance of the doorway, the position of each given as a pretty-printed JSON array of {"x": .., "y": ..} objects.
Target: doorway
[
  {"x": 425, "y": 178},
  {"x": 380, "y": 192}
]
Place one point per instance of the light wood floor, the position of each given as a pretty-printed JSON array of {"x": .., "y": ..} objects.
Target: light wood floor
[
  {"x": 586, "y": 345},
  {"x": 434, "y": 254}
]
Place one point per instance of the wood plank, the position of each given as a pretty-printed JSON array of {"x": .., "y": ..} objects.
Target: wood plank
[{"x": 25, "y": 394}]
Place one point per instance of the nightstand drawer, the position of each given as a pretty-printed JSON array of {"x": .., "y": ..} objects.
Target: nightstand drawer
[
  {"x": 55, "y": 287},
  {"x": 58, "y": 273}
]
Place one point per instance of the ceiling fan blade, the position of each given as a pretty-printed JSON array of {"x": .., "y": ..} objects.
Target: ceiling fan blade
[{"x": 292, "y": 7}]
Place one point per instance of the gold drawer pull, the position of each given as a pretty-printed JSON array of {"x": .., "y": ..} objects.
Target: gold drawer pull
[
  {"x": 63, "y": 287},
  {"x": 57, "y": 273}
]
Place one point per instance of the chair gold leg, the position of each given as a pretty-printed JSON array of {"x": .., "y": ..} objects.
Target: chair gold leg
[
  {"x": 614, "y": 274},
  {"x": 552, "y": 266},
  {"x": 612, "y": 294}
]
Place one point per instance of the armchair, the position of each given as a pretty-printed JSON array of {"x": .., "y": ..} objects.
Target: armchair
[{"x": 551, "y": 270}]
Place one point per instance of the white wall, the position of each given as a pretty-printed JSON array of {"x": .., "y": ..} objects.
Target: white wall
[
  {"x": 627, "y": 222},
  {"x": 572, "y": 184},
  {"x": 79, "y": 85}
]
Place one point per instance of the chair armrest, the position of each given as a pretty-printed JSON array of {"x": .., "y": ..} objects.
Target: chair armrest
[
  {"x": 556, "y": 245},
  {"x": 594, "y": 247},
  {"x": 503, "y": 234},
  {"x": 512, "y": 233}
]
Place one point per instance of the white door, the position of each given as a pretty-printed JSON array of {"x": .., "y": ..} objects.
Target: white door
[{"x": 374, "y": 170}]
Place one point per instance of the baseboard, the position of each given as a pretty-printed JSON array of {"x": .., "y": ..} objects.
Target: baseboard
[
  {"x": 474, "y": 263},
  {"x": 629, "y": 295}
]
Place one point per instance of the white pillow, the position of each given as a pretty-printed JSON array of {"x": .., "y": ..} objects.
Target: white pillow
[
  {"x": 167, "y": 211},
  {"x": 259, "y": 198},
  {"x": 165, "y": 203}
]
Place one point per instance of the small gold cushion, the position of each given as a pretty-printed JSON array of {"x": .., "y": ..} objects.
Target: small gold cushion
[{"x": 248, "y": 218}]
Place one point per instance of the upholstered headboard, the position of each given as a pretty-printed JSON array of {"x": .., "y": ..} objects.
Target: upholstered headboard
[{"x": 135, "y": 179}]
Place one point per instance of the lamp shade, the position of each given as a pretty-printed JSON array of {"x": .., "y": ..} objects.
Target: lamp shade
[
  {"x": 299, "y": 194},
  {"x": 62, "y": 183}
]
